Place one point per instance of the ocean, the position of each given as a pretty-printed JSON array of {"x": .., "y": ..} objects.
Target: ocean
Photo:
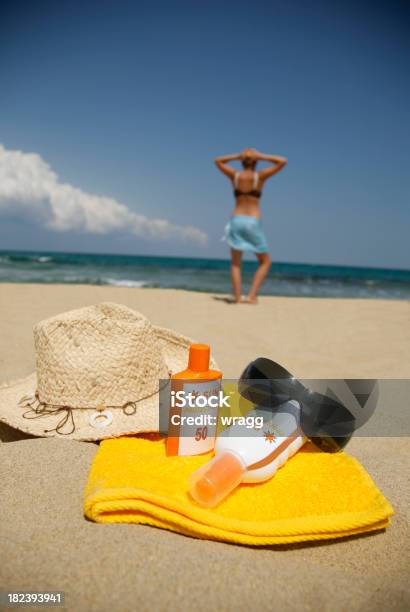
[{"x": 211, "y": 275}]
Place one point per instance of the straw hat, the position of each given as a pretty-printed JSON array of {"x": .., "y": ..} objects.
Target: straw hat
[{"x": 99, "y": 370}]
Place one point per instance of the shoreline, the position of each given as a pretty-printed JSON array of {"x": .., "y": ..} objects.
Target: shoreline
[{"x": 223, "y": 295}]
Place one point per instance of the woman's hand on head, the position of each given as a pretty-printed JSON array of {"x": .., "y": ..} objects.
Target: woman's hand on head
[
  {"x": 254, "y": 154},
  {"x": 249, "y": 153}
]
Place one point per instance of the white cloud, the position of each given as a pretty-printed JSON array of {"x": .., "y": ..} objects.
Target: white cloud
[{"x": 30, "y": 188}]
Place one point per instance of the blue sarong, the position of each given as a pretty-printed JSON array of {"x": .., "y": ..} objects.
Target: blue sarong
[{"x": 245, "y": 233}]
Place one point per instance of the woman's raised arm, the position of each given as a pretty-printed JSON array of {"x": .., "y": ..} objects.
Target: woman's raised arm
[
  {"x": 222, "y": 164},
  {"x": 277, "y": 162}
]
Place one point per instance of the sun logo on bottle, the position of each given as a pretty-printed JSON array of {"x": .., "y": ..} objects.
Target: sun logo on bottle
[{"x": 269, "y": 436}]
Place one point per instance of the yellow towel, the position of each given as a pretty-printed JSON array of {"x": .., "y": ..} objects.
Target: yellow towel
[{"x": 314, "y": 496}]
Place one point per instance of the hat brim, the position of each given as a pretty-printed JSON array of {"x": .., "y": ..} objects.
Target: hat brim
[{"x": 175, "y": 349}]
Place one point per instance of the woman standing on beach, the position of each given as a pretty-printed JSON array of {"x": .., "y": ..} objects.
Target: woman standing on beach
[{"x": 244, "y": 231}]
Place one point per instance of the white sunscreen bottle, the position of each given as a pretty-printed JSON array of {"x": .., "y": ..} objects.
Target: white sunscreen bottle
[{"x": 245, "y": 454}]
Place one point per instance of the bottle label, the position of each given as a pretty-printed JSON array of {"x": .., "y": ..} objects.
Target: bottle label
[
  {"x": 193, "y": 416},
  {"x": 260, "y": 446}
]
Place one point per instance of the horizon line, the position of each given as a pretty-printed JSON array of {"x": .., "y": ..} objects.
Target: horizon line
[{"x": 325, "y": 265}]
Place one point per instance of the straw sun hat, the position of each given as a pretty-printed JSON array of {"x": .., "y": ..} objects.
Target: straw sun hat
[{"x": 99, "y": 370}]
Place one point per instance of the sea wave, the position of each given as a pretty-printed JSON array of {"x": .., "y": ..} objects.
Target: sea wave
[
  {"x": 25, "y": 259},
  {"x": 125, "y": 282}
]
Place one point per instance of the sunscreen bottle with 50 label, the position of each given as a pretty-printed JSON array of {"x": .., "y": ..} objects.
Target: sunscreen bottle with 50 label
[
  {"x": 192, "y": 429},
  {"x": 244, "y": 454}
]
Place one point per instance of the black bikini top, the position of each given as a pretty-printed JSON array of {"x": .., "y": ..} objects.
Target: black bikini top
[{"x": 256, "y": 193}]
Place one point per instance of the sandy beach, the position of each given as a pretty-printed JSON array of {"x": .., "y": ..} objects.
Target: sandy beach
[{"x": 46, "y": 544}]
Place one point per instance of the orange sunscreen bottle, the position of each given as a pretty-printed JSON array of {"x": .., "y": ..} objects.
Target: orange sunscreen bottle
[{"x": 193, "y": 413}]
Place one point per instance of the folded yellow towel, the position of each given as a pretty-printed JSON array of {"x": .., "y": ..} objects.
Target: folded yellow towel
[{"x": 314, "y": 496}]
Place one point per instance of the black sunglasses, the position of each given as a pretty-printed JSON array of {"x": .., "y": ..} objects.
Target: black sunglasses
[{"x": 324, "y": 419}]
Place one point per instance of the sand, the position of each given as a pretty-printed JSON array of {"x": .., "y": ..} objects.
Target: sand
[{"x": 45, "y": 543}]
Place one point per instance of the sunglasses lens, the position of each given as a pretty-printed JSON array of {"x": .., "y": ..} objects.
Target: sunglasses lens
[
  {"x": 266, "y": 368},
  {"x": 263, "y": 382},
  {"x": 328, "y": 423}
]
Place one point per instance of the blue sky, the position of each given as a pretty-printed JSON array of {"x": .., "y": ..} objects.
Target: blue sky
[{"x": 131, "y": 101}]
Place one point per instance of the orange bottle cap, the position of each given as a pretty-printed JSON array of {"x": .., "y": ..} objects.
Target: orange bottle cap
[
  {"x": 199, "y": 355},
  {"x": 215, "y": 480}
]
